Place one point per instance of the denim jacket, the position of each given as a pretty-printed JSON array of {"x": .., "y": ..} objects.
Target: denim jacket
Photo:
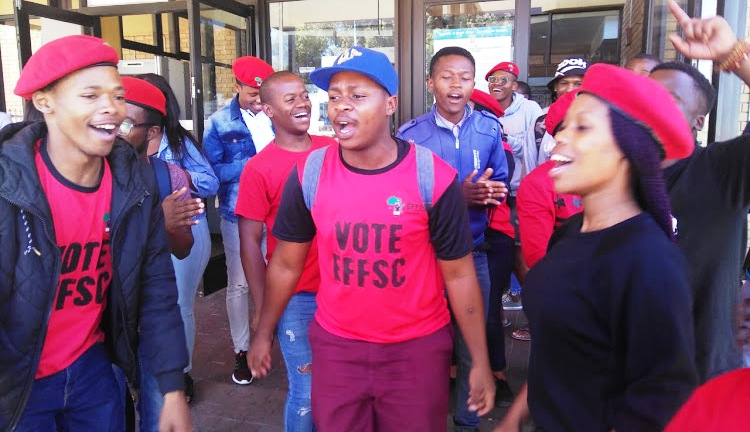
[
  {"x": 479, "y": 146},
  {"x": 228, "y": 145},
  {"x": 205, "y": 182}
]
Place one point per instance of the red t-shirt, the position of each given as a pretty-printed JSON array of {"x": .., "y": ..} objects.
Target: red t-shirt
[
  {"x": 721, "y": 404},
  {"x": 261, "y": 184},
  {"x": 81, "y": 220},
  {"x": 499, "y": 216},
  {"x": 499, "y": 219},
  {"x": 378, "y": 247},
  {"x": 540, "y": 211}
]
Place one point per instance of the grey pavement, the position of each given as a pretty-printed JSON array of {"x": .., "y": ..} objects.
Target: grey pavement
[{"x": 223, "y": 406}]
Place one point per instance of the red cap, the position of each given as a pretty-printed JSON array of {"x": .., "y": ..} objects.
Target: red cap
[
  {"x": 251, "y": 70},
  {"x": 557, "y": 111},
  {"x": 487, "y": 101},
  {"x": 144, "y": 94},
  {"x": 61, "y": 57},
  {"x": 645, "y": 101},
  {"x": 509, "y": 67}
]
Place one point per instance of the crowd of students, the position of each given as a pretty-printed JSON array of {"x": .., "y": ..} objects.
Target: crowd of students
[{"x": 379, "y": 259}]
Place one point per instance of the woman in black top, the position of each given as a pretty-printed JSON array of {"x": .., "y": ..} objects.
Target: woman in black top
[{"x": 609, "y": 304}]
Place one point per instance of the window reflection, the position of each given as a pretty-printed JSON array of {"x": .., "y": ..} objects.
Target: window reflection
[
  {"x": 485, "y": 29},
  {"x": 309, "y": 34}
]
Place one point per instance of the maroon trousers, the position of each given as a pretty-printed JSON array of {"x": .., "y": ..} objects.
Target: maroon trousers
[{"x": 369, "y": 387}]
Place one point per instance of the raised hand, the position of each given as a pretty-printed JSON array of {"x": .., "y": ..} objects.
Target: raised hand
[{"x": 705, "y": 39}]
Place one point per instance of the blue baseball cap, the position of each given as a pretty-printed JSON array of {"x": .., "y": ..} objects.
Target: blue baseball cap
[{"x": 370, "y": 63}]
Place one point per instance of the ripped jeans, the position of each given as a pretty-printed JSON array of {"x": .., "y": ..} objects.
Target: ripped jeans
[{"x": 295, "y": 347}]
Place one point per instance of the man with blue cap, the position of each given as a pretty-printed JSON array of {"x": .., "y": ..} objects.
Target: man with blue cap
[{"x": 392, "y": 232}]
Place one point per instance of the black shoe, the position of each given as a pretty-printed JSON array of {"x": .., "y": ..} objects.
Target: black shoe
[
  {"x": 503, "y": 394},
  {"x": 189, "y": 388},
  {"x": 242, "y": 374}
]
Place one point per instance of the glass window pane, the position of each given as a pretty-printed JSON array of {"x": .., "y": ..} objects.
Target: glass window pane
[
  {"x": 221, "y": 33},
  {"x": 139, "y": 28},
  {"x": 593, "y": 35},
  {"x": 539, "y": 41},
  {"x": 182, "y": 23},
  {"x": 11, "y": 69},
  {"x": 662, "y": 24},
  {"x": 484, "y": 28},
  {"x": 308, "y": 34},
  {"x": 167, "y": 30}
]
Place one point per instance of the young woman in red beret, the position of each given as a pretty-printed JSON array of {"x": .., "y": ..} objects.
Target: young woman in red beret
[{"x": 610, "y": 304}]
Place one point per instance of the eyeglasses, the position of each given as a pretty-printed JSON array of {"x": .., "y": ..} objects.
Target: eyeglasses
[
  {"x": 126, "y": 127},
  {"x": 498, "y": 80}
]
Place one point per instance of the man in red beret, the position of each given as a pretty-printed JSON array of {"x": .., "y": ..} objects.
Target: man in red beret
[
  {"x": 85, "y": 275},
  {"x": 709, "y": 190},
  {"x": 145, "y": 111},
  {"x": 518, "y": 129},
  {"x": 233, "y": 135}
]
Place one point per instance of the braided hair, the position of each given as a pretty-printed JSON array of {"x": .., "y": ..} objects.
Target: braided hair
[{"x": 644, "y": 154}]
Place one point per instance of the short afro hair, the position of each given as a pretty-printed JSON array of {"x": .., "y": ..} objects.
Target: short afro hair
[
  {"x": 451, "y": 50},
  {"x": 701, "y": 84}
]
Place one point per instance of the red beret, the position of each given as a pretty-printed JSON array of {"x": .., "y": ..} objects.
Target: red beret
[
  {"x": 557, "y": 111},
  {"x": 646, "y": 102},
  {"x": 61, "y": 57},
  {"x": 484, "y": 99},
  {"x": 144, "y": 94},
  {"x": 509, "y": 67},
  {"x": 251, "y": 70}
]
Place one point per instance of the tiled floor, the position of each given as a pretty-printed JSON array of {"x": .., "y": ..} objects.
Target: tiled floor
[{"x": 222, "y": 406}]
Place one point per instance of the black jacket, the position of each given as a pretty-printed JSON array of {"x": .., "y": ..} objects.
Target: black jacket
[{"x": 142, "y": 295}]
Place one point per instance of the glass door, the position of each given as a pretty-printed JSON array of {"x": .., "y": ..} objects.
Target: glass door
[
  {"x": 34, "y": 25},
  {"x": 493, "y": 31},
  {"x": 309, "y": 34},
  {"x": 220, "y": 31}
]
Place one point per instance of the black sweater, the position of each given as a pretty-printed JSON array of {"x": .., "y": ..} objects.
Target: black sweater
[{"x": 613, "y": 336}]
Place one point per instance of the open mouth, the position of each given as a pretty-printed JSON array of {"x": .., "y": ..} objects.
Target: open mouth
[
  {"x": 561, "y": 163},
  {"x": 560, "y": 160},
  {"x": 343, "y": 128},
  {"x": 455, "y": 97},
  {"x": 105, "y": 129},
  {"x": 301, "y": 115}
]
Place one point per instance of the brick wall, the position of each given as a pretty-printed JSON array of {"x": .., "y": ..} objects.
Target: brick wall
[{"x": 632, "y": 29}]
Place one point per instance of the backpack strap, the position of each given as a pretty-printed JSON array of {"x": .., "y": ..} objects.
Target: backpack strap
[
  {"x": 425, "y": 174},
  {"x": 163, "y": 180},
  {"x": 311, "y": 175}
]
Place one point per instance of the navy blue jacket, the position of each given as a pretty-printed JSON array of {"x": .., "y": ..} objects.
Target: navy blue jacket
[
  {"x": 479, "y": 146},
  {"x": 142, "y": 294}
]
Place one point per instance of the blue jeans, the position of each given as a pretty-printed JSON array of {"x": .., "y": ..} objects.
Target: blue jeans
[
  {"x": 150, "y": 400},
  {"x": 464, "y": 418},
  {"x": 515, "y": 286},
  {"x": 295, "y": 347},
  {"x": 500, "y": 264},
  {"x": 188, "y": 273},
  {"x": 82, "y": 397}
]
